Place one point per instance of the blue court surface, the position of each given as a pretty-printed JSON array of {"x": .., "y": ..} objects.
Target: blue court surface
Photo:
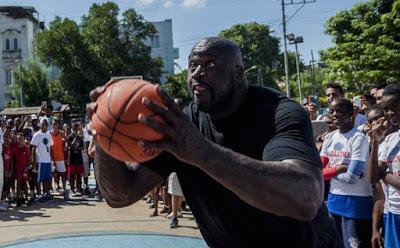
[{"x": 112, "y": 240}]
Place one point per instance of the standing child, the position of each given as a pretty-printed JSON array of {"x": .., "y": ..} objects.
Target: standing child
[
  {"x": 8, "y": 169},
  {"x": 21, "y": 163}
]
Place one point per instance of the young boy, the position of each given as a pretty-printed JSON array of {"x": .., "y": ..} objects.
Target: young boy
[{"x": 21, "y": 163}]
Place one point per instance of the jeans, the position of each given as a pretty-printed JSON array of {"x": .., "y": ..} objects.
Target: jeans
[{"x": 354, "y": 233}]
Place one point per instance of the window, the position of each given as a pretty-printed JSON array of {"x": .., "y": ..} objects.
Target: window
[
  {"x": 8, "y": 78},
  {"x": 15, "y": 44},
  {"x": 7, "y": 44},
  {"x": 155, "y": 41}
]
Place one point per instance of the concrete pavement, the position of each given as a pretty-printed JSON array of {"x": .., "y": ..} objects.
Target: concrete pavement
[{"x": 85, "y": 216}]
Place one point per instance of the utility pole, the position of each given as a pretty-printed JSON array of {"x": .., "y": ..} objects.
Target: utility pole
[
  {"x": 313, "y": 73},
  {"x": 285, "y": 52},
  {"x": 283, "y": 3}
]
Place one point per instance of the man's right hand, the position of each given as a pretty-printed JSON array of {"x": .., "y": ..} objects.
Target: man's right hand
[
  {"x": 377, "y": 129},
  {"x": 94, "y": 94},
  {"x": 376, "y": 240}
]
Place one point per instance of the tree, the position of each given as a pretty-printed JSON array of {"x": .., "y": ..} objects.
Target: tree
[
  {"x": 258, "y": 48},
  {"x": 33, "y": 78},
  {"x": 367, "y": 45},
  {"x": 101, "y": 46},
  {"x": 176, "y": 87}
]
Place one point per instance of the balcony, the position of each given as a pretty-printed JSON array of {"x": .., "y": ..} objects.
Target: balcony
[{"x": 11, "y": 55}]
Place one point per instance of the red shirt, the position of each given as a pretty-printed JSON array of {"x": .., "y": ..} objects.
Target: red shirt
[
  {"x": 8, "y": 156},
  {"x": 21, "y": 158}
]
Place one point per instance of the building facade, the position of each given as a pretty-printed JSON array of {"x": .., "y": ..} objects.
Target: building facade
[
  {"x": 18, "y": 28},
  {"x": 162, "y": 45}
]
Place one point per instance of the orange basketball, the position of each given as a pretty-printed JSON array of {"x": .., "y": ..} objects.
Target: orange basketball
[{"x": 116, "y": 120}]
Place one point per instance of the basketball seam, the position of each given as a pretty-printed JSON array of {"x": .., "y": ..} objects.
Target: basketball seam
[
  {"x": 116, "y": 142},
  {"x": 119, "y": 132},
  {"x": 123, "y": 108}
]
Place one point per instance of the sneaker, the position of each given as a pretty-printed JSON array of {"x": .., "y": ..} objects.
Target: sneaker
[
  {"x": 66, "y": 194},
  {"x": 3, "y": 207},
  {"x": 169, "y": 216},
  {"x": 174, "y": 223}
]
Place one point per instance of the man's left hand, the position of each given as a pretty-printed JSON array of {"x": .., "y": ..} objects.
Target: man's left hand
[{"x": 181, "y": 137}]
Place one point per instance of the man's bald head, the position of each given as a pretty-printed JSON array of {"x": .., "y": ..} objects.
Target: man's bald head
[{"x": 219, "y": 47}]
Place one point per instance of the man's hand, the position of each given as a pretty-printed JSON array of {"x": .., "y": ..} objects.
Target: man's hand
[
  {"x": 341, "y": 168},
  {"x": 376, "y": 240},
  {"x": 181, "y": 137},
  {"x": 377, "y": 128},
  {"x": 94, "y": 94}
]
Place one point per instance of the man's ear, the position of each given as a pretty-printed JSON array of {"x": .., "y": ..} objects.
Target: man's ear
[{"x": 238, "y": 73}]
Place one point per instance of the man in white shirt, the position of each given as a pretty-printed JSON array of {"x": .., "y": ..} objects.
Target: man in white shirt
[{"x": 42, "y": 156}]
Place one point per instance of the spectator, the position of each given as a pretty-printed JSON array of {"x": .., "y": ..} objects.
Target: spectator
[
  {"x": 385, "y": 162},
  {"x": 8, "y": 171},
  {"x": 2, "y": 205},
  {"x": 344, "y": 157},
  {"x": 42, "y": 156},
  {"x": 75, "y": 161},
  {"x": 335, "y": 91},
  {"x": 22, "y": 161},
  {"x": 59, "y": 159},
  {"x": 174, "y": 189}
]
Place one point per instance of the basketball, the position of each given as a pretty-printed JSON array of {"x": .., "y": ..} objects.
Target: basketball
[{"x": 116, "y": 120}]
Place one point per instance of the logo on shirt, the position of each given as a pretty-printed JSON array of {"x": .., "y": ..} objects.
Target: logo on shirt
[{"x": 338, "y": 147}]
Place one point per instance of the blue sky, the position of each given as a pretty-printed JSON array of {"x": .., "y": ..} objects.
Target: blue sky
[{"x": 194, "y": 19}]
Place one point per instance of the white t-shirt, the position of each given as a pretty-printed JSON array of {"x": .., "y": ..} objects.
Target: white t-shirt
[
  {"x": 390, "y": 154},
  {"x": 341, "y": 149},
  {"x": 43, "y": 143}
]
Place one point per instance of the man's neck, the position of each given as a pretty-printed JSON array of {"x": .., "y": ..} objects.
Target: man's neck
[
  {"x": 237, "y": 99},
  {"x": 345, "y": 128}
]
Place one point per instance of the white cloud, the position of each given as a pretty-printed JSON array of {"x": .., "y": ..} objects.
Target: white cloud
[
  {"x": 194, "y": 3},
  {"x": 146, "y": 2},
  {"x": 168, "y": 3}
]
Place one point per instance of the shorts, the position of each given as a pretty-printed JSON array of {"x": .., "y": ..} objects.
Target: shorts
[
  {"x": 44, "y": 173},
  {"x": 392, "y": 231},
  {"x": 174, "y": 188},
  {"x": 21, "y": 175},
  {"x": 60, "y": 166},
  {"x": 75, "y": 169}
]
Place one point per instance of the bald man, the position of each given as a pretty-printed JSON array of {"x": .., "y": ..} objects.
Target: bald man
[{"x": 244, "y": 156}]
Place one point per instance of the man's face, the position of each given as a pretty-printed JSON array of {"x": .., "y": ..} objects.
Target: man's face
[
  {"x": 391, "y": 108},
  {"x": 55, "y": 126},
  {"x": 17, "y": 122},
  {"x": 20, "y": 140},
  {"x": 378, "y": 95},
  {"x": 210, "y": 81},
  {"x": 372, "y": 92},
  {"x": 332, "y": 94},
  {"x": 44, "y": 125},
  {"x": 49, "y": 111},
  {"x": 338, "y": 114}
]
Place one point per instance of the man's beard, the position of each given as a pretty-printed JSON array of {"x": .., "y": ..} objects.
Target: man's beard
[{"x": 219, "y": 103}]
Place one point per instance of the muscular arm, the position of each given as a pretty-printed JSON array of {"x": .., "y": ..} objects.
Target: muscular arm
[
  {"x": 376, "y": 168},
  {"x": 119, "y": 185},
  {"x": 290, "y": 188}
]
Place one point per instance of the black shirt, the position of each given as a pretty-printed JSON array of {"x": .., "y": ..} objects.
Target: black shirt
[
  {"x": 267, "y": 126},
  {"x": 75, "y": 145}
]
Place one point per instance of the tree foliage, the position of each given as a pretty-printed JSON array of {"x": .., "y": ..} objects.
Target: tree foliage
[
  {"x": 367, "y": 45},
  {"x": 33, "y": 78},
  {"x": 101, "y": 46},
  {"x": 176, "y": 87},
  {"x": 258, "y": 48}
]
